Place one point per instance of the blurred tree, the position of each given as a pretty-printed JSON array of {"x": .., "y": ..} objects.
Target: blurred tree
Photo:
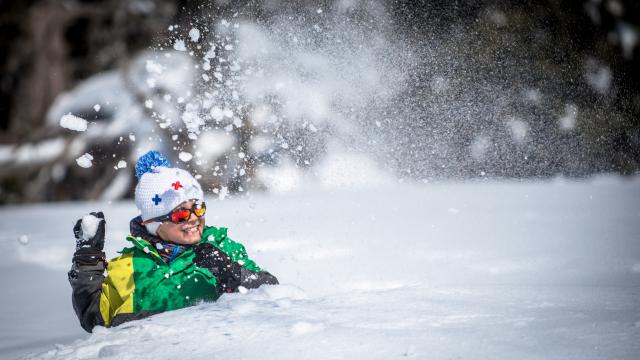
[{"x": 48, "y": 45}]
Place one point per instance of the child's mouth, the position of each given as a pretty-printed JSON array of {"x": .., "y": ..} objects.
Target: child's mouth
[{"x": 191, "y": 229}]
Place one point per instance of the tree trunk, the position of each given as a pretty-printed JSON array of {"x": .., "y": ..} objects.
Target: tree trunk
[{"x": 42, "y": 65}]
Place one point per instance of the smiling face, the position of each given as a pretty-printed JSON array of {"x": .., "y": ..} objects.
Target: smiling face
[{"x": 187, "y": 233}]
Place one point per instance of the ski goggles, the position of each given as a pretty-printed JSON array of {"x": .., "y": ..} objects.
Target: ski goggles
[{"x": 180, "y": 215}]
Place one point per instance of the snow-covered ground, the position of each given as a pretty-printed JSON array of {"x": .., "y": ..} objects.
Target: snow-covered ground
[{"x": 487, "y": 270}]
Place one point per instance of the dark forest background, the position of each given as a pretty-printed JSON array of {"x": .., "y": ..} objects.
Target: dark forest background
[{"x": 582, "y": 56}]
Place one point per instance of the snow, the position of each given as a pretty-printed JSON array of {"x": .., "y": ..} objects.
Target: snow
[
  {"x": 518, "y": 129},
  {"x": 185, "y": 156},
  {"x": 192, "y": 119},
  {"x": 73, "y": 122},
  {"x": 6, "y": 153},
  {"x": 213, "y": 144},
  {"x": 116, "y": 91},
  {"x": 89, "y": 226},
  {"x": 614, "y": 7},
  {"x": 223, "y": 193},
  {"x": 286, "y": 177},
  {"x": 153, "y": 67},
  {"x": 219, "y": 114},
  {"x": 479, "y": 147},
  {"x": 320, "y": 82},
  {"x": 260, "y": 143},
  {"x": 349, "y": 171},
  {"x": 84, "y": 161},
  {"x": 533, "y": 96},
  {"x": 37, "y": 153},
  {"x": 194, "y": 34},
  {"x": 498, "y": 17},
  {"x": 628, "y": 39},
  {"x": 568, "y": 121},
  {"x": 23, "y": 239},
  {"x": 107, "y": 88},
  {"x": 179, "y": 45},
  {"x": 530, "y": 270},
  {"x": 216, "y": 113},
  {"x": 439, "y": 84},
  {"x": 211, "y": 53},
  {"x": 600, "y": 78}
]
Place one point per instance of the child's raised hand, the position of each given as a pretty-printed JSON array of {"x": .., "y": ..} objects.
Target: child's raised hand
[{"x": 89, "y": 231}]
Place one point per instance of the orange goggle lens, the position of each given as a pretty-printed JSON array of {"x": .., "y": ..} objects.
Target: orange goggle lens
[{"x": 182, "y": 215}]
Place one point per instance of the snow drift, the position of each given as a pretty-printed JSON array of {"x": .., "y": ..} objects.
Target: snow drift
[{"x": 471, "y": 270}]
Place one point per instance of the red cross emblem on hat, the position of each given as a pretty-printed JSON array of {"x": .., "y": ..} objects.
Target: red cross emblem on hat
[{"x": 176, "y": 185}]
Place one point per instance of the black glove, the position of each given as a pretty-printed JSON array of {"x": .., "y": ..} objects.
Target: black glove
[
  {"x": 97, "y": 240},
  {"x": 89, "y": 256},
  {"x": 220, "y": 265}
]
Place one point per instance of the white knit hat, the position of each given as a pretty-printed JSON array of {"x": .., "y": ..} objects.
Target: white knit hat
[{"x": 161, "y": 188}]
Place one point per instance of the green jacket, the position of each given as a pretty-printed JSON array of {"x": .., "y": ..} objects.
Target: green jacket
[{"x": 140, "y": 283}]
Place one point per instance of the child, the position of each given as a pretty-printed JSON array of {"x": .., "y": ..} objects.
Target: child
[{"x": 175, "y": 261}]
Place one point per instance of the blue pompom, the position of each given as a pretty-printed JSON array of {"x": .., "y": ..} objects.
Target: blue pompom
[{"x": 147, "y": 162}]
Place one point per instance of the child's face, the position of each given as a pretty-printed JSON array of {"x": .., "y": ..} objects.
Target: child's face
[{"x": 187, "y": 233}]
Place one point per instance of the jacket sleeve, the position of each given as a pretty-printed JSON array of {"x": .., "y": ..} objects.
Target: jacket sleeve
[
  {"x": 251, "y": 275},
  {"x": 86, "y": 277}
]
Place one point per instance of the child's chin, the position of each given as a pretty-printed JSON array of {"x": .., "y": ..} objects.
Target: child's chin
[
  {"x": 191, "y": 240},
  {"x": 188, "y": 240}
]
